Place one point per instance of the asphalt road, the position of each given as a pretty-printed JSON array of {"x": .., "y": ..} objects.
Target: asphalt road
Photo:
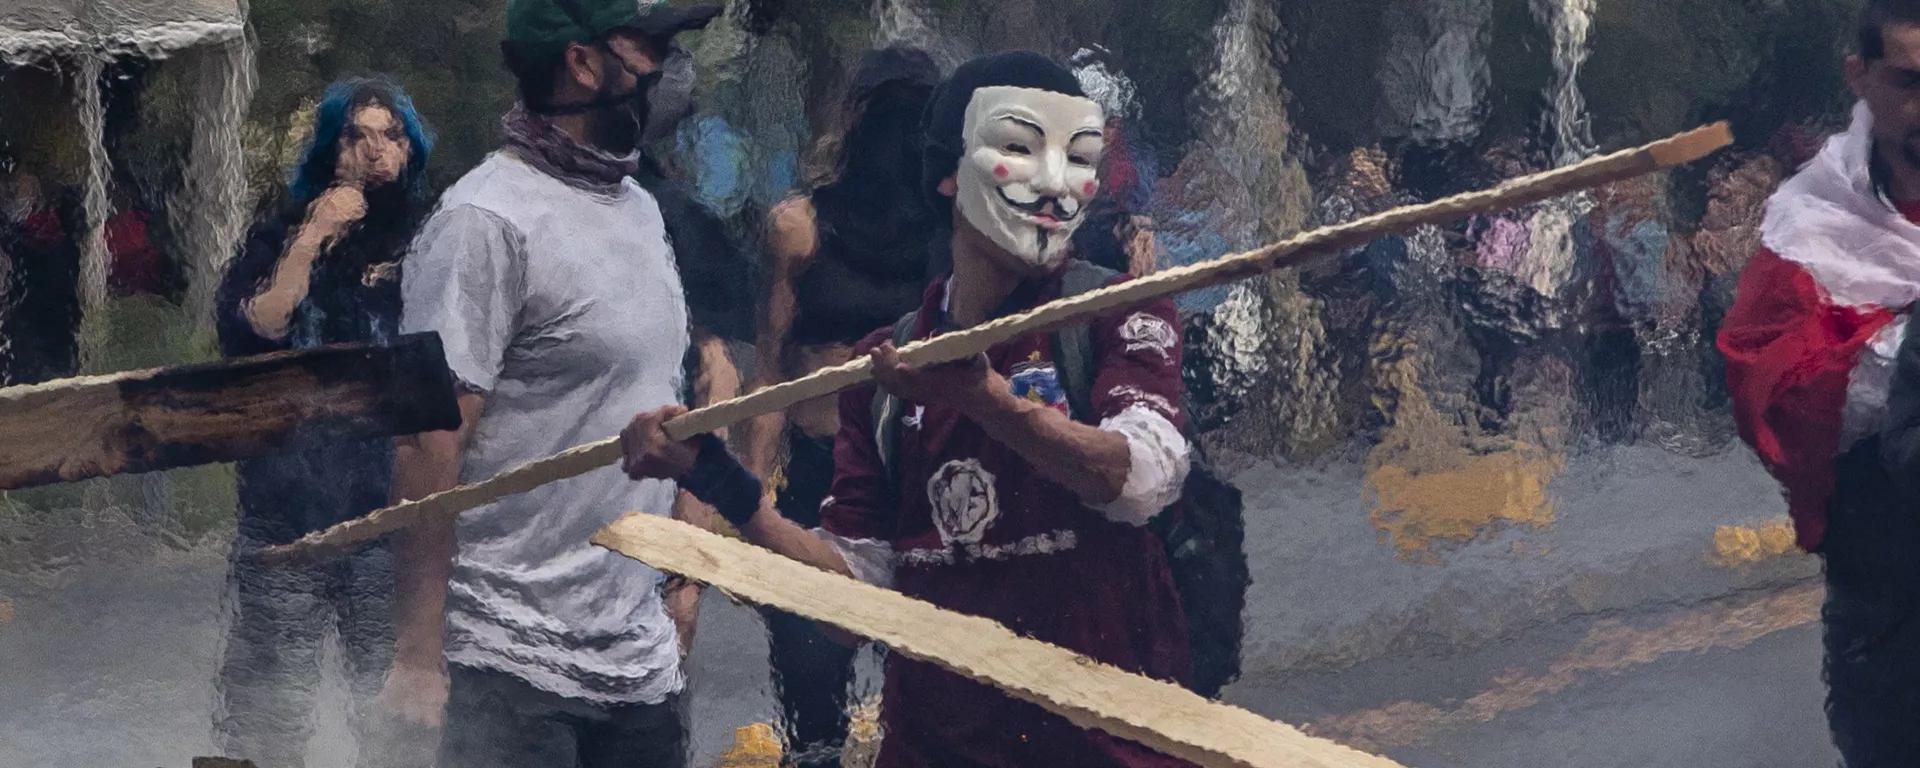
[{"x": 1612, "y": 634}]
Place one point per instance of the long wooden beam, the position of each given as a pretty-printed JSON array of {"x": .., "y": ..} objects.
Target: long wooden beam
[
  {"x": 140, "y": 421},
  {"x": 1293, "y": 251},
  {"x": 1090, "y": 694}
]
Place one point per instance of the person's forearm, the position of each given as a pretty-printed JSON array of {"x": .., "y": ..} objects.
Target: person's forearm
[
  {"x": 719, "y": 378},
  {"x": 771, "y": 530},
  {"x": 426, "y": 464},
  {"x": 716, "y": 478},
  {"x": 1091, "y": 462},
  {"x": 423, "y": 554},
  {"x": 681, "y": 595},
  {"x": 763, "y": 432},
  {"x": 682, "y": 600},
  {"x": 271, "y": 310}
]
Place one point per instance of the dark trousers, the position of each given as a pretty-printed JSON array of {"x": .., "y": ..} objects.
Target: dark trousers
[
  {"x": 496, "y": 720},
  {"x": 811, "y": 673},
  {"x": 271, "y": 667},
  {"x": 811, "y": 676},
  {"x": 1872, "y": 623}
]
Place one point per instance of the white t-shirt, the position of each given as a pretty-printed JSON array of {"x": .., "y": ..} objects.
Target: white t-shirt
[{"x": 565, "y": 308}]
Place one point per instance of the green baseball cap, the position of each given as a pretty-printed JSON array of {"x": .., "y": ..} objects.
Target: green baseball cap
[{"x": 583, "y": 21}]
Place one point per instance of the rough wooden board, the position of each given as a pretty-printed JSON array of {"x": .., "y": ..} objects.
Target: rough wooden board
[
  {"x": 1090, "y": 694},
  {"x": 1294, "y": 251},
  {"x": 140, "y": 421}
]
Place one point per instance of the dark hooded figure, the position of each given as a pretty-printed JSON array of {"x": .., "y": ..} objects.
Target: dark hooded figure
[
  {"x": 39, "y": 298},
  {"x": 321, "y": 267},
  {"x": 847, "y": 257}
]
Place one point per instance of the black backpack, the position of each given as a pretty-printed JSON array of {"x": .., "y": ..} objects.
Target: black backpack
[{"x": 1204, "y": 532}]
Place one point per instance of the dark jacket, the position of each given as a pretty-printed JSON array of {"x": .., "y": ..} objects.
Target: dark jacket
[
  {"x": 318, "y": 479},
  {"x": 715, "y": 271},
  {"x": 39, "y": 332},
  {"x": 1900, "y": 438}
]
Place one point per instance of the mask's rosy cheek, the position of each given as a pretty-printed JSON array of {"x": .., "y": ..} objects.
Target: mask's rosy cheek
[
  {"x": 999, "y": 171},
  {"x": 1087, "y": 189}
]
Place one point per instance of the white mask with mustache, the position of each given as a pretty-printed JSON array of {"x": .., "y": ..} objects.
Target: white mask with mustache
[{"x": 1030, "y": 169}]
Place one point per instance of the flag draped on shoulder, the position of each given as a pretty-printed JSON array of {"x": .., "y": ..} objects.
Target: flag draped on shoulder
[{"x": 1811, "y": 339}]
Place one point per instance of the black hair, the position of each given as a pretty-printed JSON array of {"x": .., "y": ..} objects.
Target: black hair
[
  {"x": 897, "y": 78},
  {"x": 865, "y": 185},
  {"x": 315, "y": 172},
  {"x": 1874, "y": 19},
  {"x": 535, "y": 67}
]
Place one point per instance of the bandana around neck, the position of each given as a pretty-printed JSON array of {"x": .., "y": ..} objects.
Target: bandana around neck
[{"x": 537, "y": 141}]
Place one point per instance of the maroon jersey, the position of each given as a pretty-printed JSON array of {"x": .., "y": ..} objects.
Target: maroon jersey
[{"x": 975, "y": 529}]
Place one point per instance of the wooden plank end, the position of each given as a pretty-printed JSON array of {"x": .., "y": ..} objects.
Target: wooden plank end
[
  {"x": 1088, "y": 693},
  {"x": 223, "y": 410},
  {"x": 1692, "y": 145}
]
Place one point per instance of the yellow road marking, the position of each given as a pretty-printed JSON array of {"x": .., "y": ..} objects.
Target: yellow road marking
[
  {"x": 1610, "y": 647},
  {"x": 758, "y": 745},
  {"x": 754, "y": 746},
  {"x": 1744, "y": 545}
]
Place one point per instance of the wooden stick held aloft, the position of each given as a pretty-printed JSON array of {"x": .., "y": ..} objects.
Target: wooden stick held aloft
[
  {"x": 1293, "y": 251},
  {"x": 1161, "y": 715}
]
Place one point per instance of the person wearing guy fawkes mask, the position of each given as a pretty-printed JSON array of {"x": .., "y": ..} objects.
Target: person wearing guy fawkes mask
[
  {"x": 995, "y": 501},
  {"x": 547, "y": 273}
]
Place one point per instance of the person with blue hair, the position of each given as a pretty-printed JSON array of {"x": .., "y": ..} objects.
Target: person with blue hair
[{"x": 321, "y": 267}]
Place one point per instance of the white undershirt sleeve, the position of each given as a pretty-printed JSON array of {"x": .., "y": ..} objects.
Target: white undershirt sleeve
[
  {"x": 870, "y": 560},
  {"x": 1159, "y": 456}
]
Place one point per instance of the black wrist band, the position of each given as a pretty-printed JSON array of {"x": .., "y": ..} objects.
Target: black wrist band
[{"x": 719, "y": 479}]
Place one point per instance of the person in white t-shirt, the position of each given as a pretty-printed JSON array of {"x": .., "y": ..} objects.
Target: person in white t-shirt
[{"x": 547, "y": 274}]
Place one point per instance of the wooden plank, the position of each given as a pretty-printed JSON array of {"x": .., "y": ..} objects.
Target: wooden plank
[
  {"x": 1088, "y": 693},
  {"x": 1291, "y": 252},
  {"x": 140, "y": 421}
]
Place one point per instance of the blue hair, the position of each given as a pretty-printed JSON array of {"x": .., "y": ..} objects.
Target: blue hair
[{"x": 316, "y": 169}]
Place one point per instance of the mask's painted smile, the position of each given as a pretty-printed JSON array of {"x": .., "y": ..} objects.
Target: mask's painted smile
[{"x": 1049, "y": 212}]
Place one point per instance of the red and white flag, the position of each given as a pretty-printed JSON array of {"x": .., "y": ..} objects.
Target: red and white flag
[{"x": 1811, "y": 338}]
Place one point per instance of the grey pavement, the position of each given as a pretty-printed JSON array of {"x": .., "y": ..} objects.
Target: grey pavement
[{"x": 1607, "y": 637}]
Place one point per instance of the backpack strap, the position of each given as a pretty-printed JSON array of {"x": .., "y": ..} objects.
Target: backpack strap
[
  {"x": 1073, "y": 362},
  {"x": 887, "y": 408},
  {"x": 1073, "y": 358}
]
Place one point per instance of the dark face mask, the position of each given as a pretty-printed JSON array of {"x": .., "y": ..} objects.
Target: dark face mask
[
  {"x": 617, "y": 117},
  {"x": 619, "y": 120}
]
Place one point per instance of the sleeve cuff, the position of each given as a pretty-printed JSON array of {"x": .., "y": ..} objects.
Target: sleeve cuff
[
  {"x": 870, "y": 560},
  {"x": 1158, "y": 454}
]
